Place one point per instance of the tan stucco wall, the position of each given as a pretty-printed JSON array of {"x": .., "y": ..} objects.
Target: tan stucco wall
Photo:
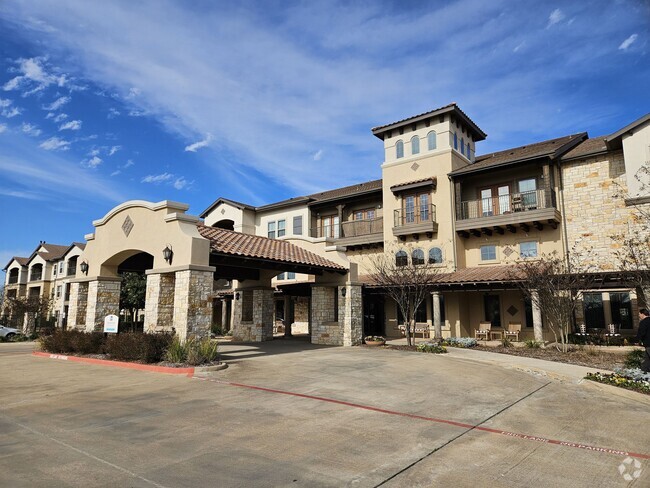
[
  {"x": 155, "y": 225},
  {"x": 636, "y": 147}
]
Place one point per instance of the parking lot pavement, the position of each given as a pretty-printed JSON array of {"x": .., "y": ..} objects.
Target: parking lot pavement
[{"x": 286, "y": 413}]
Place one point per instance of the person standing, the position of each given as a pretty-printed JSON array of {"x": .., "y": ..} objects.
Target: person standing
[{"x": 643, "y": 337}]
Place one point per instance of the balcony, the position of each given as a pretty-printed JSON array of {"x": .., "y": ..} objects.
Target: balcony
[
  {"x": 507, "y": 212},
  {"x": 415, "y": 221},
  {"x": 12, "y": 280},
  {"x": 36, "y": 276},
  {"x": 352, "y": 233},
  {"x": 72, "y": 270}
]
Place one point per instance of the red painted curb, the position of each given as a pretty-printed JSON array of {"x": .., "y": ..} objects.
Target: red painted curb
[{"x": 117, "y": 364}]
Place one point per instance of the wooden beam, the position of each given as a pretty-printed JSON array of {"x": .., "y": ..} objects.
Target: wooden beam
[
  {"x": 463, "y": 233},
  {"x": 486, "y": 231},
  {"x": 476, "y": 232},
  {"x": 511, "y": 228},
  {"x": 552, "y": 223},
  {"x": 498, "y": 229},
  {"x": 525, "y": 227},
  {"x": 538, "y": 225}
]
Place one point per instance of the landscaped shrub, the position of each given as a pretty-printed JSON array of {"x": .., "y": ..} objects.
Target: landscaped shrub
[
  {"x": 635, "y": 379},
  {"x": 431, "y": 347},
  {"x": 532, "y": 344},
  {"x": 134, "y": 346},
  {"x": 633, "y": 359},
  {"x": 505, "y": 342},
  {"x": 192, "y": 351},
  {"x": 176, "y": 352},
  {"x": 464, "y": 342},
  {"x": 72, "y": 341}
]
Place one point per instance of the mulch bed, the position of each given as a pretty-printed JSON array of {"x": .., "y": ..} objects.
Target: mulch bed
[
  {"x": 165, "y": 364},
  {"x": 581, "y": 357}
]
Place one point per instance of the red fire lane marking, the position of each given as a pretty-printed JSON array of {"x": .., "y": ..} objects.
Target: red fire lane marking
[{"x": 556, "y": 442}]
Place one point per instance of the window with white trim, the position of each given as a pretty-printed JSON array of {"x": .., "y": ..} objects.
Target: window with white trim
[
  {"x": 297, "y": 225},
  {"x": 415, "y": 145},
  {"x": 528, "y": 249},
  {"x": 281, "y": 228},
  {"x": 291, "y": 275},
  {"x": 488, "y": 252},
  {"x": 271, "y": 230},
  {"x": 417, "y": 257},
  {"x": 431, "y": 140},
  {"x": 435, "y": 255},
  {"x": 399, "y": 149}
]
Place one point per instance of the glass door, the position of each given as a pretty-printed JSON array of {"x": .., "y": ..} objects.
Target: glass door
[{"x": 492, "y": 306}]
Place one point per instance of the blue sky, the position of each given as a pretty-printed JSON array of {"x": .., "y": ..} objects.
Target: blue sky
[{"x": 102, "y": 102}]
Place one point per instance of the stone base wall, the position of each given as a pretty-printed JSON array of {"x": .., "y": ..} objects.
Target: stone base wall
[
  {"x": 351, "y": 314},
  {"x": 192, "y": 304},
  {"x": 78, "y": 306},
  {"x": 324, "y": 328},
  {"x": 260, "y": 302},
  {"x": 301, "y": 310},
  {"x": 103, "y": 299},
  {"x": 159, "y": 304}
]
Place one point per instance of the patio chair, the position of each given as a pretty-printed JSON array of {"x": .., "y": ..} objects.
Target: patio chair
[
  {"x": 513, "y": 330},
  {"x": 613, "y": 330},
  {"x": 483, "y": 330},
  {"x": 582, "y": 330}
]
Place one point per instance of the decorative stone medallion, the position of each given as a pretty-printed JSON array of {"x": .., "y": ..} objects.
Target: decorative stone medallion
[
  {"x": 508, "y": 251},
  {"x": 415, "y": 166},
  {"x": 127, "y": 226},
  {"x": 223, "y": 211},
  {"x": 512, "y": 310}
]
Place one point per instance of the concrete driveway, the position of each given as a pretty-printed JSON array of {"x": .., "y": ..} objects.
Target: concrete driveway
[{"x": 290, "y": 414}]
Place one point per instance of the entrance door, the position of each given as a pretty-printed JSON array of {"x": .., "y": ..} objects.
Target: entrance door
[
  {"x": 621, "y": 309},
  {"x": 495, "y": 200},
  {"x": 492, "y": 307},
  {"x": 373, "y": 315}
]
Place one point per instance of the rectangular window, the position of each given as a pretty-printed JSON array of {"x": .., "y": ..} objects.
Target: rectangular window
[
  {"x": 297, "y": 225},
  {"x": 58, "y": 291},
  {"x": 455, "y": 142},
  {"x": 621, "y": 309},
  {"x": 281, "y": 228},
  {"x": 594, "y": 311},
  {"x": 420, "y": 314},
  {"x": 330, "y": 227},
  {"x": 528, "y": 249},
  {"x": 488, "y": 252},
  {"x": 281, "y": 276},
  {"x": 271, "y": 230},
  {"x": 528, "y": 190},
  {"x": 61, "y": 267},
  {"x": 291, "y": 275}
]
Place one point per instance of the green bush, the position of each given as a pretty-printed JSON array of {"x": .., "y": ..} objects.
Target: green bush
[
  {"x": 192, "y": 351},
  {"x": 135, "y": 346},
  {"x": 633, "y": 359},
  {"x": 532, "y": 344},
  {"x": 85, "y": 342},
  {"x": 505, "y": 342},
  {"x": 176, "y": 352},
  {"x": 431, "y": 347}
]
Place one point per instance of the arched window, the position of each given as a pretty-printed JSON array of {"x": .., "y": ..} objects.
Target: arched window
[
  {"x": 455, "y": 142},
  {"x": 431, "y": 140},
  {"x": 399, "y": 149},
  {"x": 417, "y": 256},
  {"x": 401, "y": 258},
  {"x": 415, "y": 145},
  {"x": 435, "y": 255},
  {"x": 462, "y": 145}
]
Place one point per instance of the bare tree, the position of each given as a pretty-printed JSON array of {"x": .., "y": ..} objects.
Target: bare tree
[
  {"x": 28, "y": 311},
  {"x": 555, "y": 285},
  {"x": 405, "y": 279}
]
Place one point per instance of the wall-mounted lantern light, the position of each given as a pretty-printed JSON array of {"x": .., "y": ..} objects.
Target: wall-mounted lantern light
[
  {"x": 84, "y": 267},
  {"x": 237, "y": 296},
  {"x": 343, "y": 292},
  {"x": 168, "y": 254}
]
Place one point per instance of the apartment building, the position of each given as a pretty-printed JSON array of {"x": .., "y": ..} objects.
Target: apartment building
[{"x": 306, "y": 259}]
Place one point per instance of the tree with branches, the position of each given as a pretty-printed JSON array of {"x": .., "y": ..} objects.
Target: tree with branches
[
  {"x": 555, "y": 285},
  {"x": 28, "y": 312},
  {"x": 407, "y": 280},
  {"x": 133, "y": 293}
]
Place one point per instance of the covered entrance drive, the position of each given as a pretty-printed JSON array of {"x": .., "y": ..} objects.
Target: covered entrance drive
[{"x": 187, "y": 261}]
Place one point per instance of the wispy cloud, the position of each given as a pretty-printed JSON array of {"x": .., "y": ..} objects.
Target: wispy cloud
[
  {"x": 5, "y": 102},
  {"x": 112, "y": 113},
  {"x": 27, "y": 195},
  {"x": 181, "y": 183},
  {"x": 128, "y": 164},
  {"x": 11, "y": 112},
  {"x": 198, "y": 145},
  {"x": 31, "y": 130},
  {"x": 54, "y": 143},
  {"x": 113, "y": 150},
  {"x": 556, "y": 17},
  {"x": 72, "y": 125},
  {"x": 628, "y": 42},
  {"x": 92, "y": 162},
  {"x": 34, "y": 76},
  {"x": 57, "y": 104},
  {"x": 156, "y": 179},
  {"x": 3, "y": 128},
  {"x": 318, "y": 155}
]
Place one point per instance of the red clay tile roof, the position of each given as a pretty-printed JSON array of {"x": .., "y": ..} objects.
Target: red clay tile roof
[
  {"x": 477, "y": 274},
  {"x": 246, "y": 245},
  {"x": 551, "y": 148},
  {"x": 346, "y": 191},
  {"x": 587, "y": 148},
  {"x": 431, "y": 179}
]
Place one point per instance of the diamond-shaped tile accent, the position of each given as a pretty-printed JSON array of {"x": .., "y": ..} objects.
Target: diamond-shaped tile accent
[
  {"x": 127, "y": 226},
  {"x": 512, "y": 310},
  {"x": 508, "y": 251},
  {"x": 415, "y": 166},
  {"x": 223, "y": 211}
]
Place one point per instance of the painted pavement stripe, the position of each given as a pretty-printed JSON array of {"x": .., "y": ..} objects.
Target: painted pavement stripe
[{"x": 515, "y": 435}]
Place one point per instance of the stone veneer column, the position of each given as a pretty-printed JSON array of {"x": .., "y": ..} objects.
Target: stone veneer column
[
  {"x": 537, "y": 317},
  {"x": 78, "y": 305},
  {"x": 437, "y": 316},
  {"x": 351, "y": 314},
  {"x": 159, "y": 304},
  {"x": 192, "y": 304},
  {"x": 253, "y": 315},
  {"x": 103, "y": 300},
  {"x": 324, "y": 330}
]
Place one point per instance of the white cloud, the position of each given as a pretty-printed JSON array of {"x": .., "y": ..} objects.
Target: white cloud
[
  {"x": 94, "y": 152},
  {"x": 137, "y": 113},
  {"x": 4, "y": 102},
  {"x": 157, "y": 178},
  {"x": 318, "y": 155},
  {"x": 27, "y": 195},
  {"x": 59, "y": 117},
  {"x": 116, "y": 172},
  {"x": 128, "y": 164},
  {"x": 31, "y": 130},
  {"x": 181, "y": 183},
  {"x": 34, "y": 76},
  {"x": 11, "y": 112},
  {"x": 92, "y": 162},
  {"x": 3, "y": 127},
  {"x": 113, "y": 150},
  {"x": 198, "y": 145},
  {"x": 112, "y": 113},
  {"x": 57, "y": 104},
  {"x": 54, "y": 143},
  {"x": 556, "y": 16},
  {"x": 72, "y": 125},
  {"x": 628, "y": 42}
]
